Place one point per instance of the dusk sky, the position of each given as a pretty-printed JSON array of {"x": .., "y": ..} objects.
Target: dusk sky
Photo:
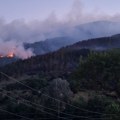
[
  {"x": 41, "y": 9},
  {"x": 29, "y": 21}
]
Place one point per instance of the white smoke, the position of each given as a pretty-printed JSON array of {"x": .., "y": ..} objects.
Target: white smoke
[
  {"x": 17, "y": 32},
  {"x": 15, "y": 48}
]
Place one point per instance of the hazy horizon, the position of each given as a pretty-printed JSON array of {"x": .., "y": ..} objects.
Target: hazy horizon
[{"x": 28, "y": 21}]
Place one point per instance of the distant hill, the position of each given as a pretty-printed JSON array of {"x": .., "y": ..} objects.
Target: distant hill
[
  {"x": 49, "y": 45},
  {"x": 64, "y": 60},
  {"x": 58, "y": 63},
  {"x": 78, "y": 33},
  {"x": 89, "y": 88},
  {"x": 103, "y": 43}
]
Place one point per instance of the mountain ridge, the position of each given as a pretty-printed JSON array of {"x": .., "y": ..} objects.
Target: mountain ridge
[
  {"x": 75, "y": 34},
  {"x": 62, "y": 60}
]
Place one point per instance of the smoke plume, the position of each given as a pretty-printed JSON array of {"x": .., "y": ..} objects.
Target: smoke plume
[
  {"x": 74, "y": 24},
  {"x": 11, "y": 47}
]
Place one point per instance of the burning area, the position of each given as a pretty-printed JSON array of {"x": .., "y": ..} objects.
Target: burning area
[
  {"x": 9, "y": 55},
  {"x": 13, "y": 49}
]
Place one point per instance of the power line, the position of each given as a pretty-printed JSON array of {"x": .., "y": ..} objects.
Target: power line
[
  {"x": 58, "y": 102},
  {"x": 85, "y": 110},
  {"x": 17, "y": 115},
  {"x": 73, "y": 116},
  {"x": 43, "y": 107},
  {"x": 27, "y": 104}
]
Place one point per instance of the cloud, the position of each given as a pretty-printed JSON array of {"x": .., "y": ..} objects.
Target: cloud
[
  {"x": 14, "y": 34},
  {"x": 22, "y": 31},
  {"x": 78, "y": 15}
]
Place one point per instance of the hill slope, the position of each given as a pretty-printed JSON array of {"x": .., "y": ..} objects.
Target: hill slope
[
  {"x": 99, "y": 43},
  {"x": 49, "y": 45},
  {"x": 75, "y": 34},
  {"x": 92, "y": 89},
  {"x": 63, "y": 60}
]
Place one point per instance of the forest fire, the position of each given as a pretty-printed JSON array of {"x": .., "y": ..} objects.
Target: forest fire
[
  {"x": 1, "y": 56},
  {"x": 9, "y": 55}
]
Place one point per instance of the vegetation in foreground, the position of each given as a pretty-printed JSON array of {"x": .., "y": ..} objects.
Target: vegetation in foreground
[{"x": 92, "y": 91}]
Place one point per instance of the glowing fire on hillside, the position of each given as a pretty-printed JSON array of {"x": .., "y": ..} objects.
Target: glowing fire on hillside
[{"x": 9, "y": 55}]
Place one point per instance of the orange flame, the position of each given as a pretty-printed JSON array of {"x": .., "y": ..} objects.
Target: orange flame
[
  {"x": 1, "y": 56},
  {"x": 9, "y": 55}
]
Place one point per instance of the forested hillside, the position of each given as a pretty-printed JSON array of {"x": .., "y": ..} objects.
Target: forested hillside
[
  {"x": 59, "y": 59},
  {"x": 49, "y": 45},
  {"x": 72, "y": 83},
  {"x": 103, "y": 43},
  {"x": 57, "y": 63},
  {"x": 90, "y": 91},
  {"x": 52, "y": 45},
  {"x": 56, "y": 43},
  {"x": 68, "y": 57}
]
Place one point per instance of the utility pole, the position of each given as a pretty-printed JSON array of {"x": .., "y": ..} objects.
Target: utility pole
[{"x": 58, "y": 104}]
